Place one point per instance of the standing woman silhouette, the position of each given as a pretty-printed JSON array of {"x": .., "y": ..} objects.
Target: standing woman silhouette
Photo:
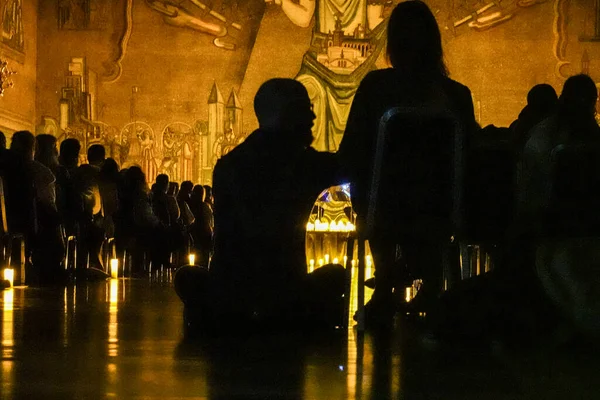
[{"x": 418, "y": 78}]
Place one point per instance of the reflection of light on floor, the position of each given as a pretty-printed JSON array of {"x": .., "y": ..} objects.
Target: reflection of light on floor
[
  {"x": 7, "y": 378},
  {"x": 113, "y": 341},
  {"x": 354, "y": 286},
  {"x": 351, "y": 369},
  {"x": 111, "y": 368},
  {"x": 7, "y": 324}
]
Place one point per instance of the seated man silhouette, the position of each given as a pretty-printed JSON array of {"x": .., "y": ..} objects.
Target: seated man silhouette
[{"x": 264, "y": 190}]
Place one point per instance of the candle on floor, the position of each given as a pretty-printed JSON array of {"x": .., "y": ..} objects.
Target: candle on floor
[
  {"x": 9, "y": 275},
  {"x": 192, "y": 259},
  {"x": 114, "y": 268}
]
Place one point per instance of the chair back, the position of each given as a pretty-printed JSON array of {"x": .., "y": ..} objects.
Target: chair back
[
  {"x": 489, "y": 192},
  {"x": 575, "y": 189},
  {"x": 417, "y": 174}
]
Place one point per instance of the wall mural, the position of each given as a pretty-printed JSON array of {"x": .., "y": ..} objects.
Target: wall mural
[
  {"x": 83, "y": 14},
  {"x": 209, "y": 21},
  {"x": 12, "y": 24},
  {"x": 184, "y": 151},
  {"x": 345, "y": 40}
]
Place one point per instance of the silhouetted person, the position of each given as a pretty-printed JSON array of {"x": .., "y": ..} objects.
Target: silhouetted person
[
  {"x": 23, "y": 145},
  {"x": 201, "y": 229},
  {"x": 96, "y": 155},
  {"x": 109, "y": 186},
  {"x": 46, "y": 242},
  {"x": 574, "y": 122},
  {"x": 67, "y": 199},
  {"x": 86, "y": 180},
  {"x": 160, "y": 203},
  {"x": 69, "y": 153},
  {"x": 264, "y": 190},
  {"x": 542, "y": 101},
  {"x": 139, "y": 229},
  {"x": 185, "y": 191},
  {"x": 184, "y": 201},
  {"x": 418, "y": 78},
  {"x": 173, "y": 207},
  {"x": 208, "y": 195},
  {"x": 46, "y": 152}
]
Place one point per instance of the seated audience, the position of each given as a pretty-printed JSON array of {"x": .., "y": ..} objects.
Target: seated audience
[
  {"x": 539, "y": 290},
  {"x": 45, "y": 241},
  {"x": 574, "y": 122},
  {"x": 264, "y": 191},
  {"x": 23, "y": 145},
  {"x": 139, "y": 229}
]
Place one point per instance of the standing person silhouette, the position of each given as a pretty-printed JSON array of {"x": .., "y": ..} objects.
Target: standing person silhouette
[{"x": 418, "y": 78}]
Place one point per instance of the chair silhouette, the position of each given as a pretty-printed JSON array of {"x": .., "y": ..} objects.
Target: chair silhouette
[
  {"x": 416, "y": 182},
  {"x": 12, "y": 241}
]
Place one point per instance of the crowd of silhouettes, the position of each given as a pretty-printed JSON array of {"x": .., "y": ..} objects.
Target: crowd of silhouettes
[
  {"x": 51, "y": 196},
  {"x": 265, "y": 188}
]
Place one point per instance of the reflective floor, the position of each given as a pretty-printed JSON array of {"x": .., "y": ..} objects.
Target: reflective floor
[{"x": 124, "y": 339}]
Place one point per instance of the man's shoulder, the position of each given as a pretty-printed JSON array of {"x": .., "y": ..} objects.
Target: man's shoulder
[
  {"x": 238, "y": 154},
  {"x": 456, "y": 87},
  {"x": 42, "y": 172}
]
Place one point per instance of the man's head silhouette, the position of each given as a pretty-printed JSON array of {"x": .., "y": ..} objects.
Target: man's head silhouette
[
  {"x": 579, "y": 96},
  {"x": 282, "y": 106}
]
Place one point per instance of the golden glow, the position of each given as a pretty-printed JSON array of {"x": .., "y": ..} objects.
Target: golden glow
[
  {"x": 9, "y": 275},
  {"x": 336, "y": 261},
  {"x": 192, "y": 259},
  {"x": 7, "y": 323},
  {"x": 341, "y": 226},
  {"x": 113, "y": 340},
  {"x": 326, "y": 258},
  {"x": 321, "y": 262},
  {"x": 114, "y": 268},
  {"x": 408, "y": 294}
]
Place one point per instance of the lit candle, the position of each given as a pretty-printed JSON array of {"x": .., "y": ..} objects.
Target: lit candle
[
  {"x": 114, "y": 268},
  {"x": 345, "y": 260},
  {"x": 320, "y": 262},
  {"x": 326, "y": 258},
  {"x": 408, "y": 294},
  {"x": 192, "y": 259},
  {"x": 9, "y": 275},
  {"x": 336, "y": 261}
]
